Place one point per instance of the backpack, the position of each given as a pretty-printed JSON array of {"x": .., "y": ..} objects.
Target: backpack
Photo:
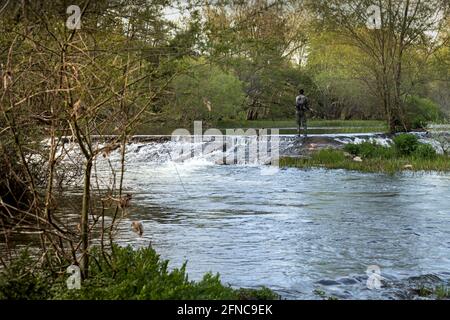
[{"x": 301, "y": 103}]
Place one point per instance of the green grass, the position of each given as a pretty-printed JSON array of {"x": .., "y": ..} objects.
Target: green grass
[
  {"x": 406, "y": 153},
  {"x": 314, "y": 126},
  {"x": 286, "y": 126},
  {"x": 380, "y": 125},
  {"x": 335, "y": 130},
  {"x": 337, "y": 159},
  {"x": 440, "y": 292}
]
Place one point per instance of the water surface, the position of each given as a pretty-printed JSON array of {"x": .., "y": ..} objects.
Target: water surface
[{"x": 295, "y": 231}]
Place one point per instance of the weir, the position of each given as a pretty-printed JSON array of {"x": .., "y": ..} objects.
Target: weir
[{"x": 235, "y": 149}]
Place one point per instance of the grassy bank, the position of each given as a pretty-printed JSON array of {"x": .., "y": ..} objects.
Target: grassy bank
[
  {"x": 337, "y": 159},
  {"x": 127, "y": 275},
  {"x": 290, "y": 123},
  {"x": 314, "y": 126},
  {"x": 406, "y": 154},
  {"x": 285, "y": 126}
]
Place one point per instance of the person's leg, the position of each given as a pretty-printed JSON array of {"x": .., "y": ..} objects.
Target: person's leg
[
  {"x": 305, "y": 125},
  {"x": 299, "y": 121}
]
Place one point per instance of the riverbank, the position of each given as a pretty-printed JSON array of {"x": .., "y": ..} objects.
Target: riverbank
[
  {"x": 405, "y": 153},
  {"x": 284, "y": 126},
  {"x": 126, "y": 274},
  {"x": 315, "y": 126},
  {"x": 338, "y": 159}
]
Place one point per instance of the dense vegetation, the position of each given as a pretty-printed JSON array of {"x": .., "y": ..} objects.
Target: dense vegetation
[
  {"x": 246, "y": 60},
  {"x": 274, "y": 49},
  {"x": 132, "y": 275}
]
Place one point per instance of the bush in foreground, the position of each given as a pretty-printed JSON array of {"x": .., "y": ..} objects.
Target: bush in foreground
[
  {"x": 131, "y": 274},
  {"x": 22, "y": 281}
]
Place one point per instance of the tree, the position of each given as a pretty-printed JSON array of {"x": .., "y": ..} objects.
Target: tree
[
  {"x": 400, "y": 26},
  {"x": 80, "y": 85},
  {"x": 258, "y": 39},
  {"x": 338, "y": 90},
  {"x": 205, "y": 91}
]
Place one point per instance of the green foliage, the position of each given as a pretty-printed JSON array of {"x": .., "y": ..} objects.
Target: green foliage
[
  {"x": 339, "y": 94},
  {"x": 352, "y": 148},
  {"x": 328, "y": 155},
  {"x": 373, "y": 125},
  {"x": 130, "y": 274},
  {"x": 425, "y": 151},
  {"x": 440, "y": 292},
  {"x": 407, "y": 153},
  {"x": 256, "y": 294},
  {"x": 280, "y": 87},
  {"x": 406, "y": 144},
  {"x": 20, "y": 281},
  {"x": 335, "y": 159},
  {"x": 206, "y": 86},
  {"x": 422, "y": 111},
  {"x": 369, "y": 150}
]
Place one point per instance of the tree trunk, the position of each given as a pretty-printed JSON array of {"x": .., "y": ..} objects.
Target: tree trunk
[{"x": 85, "y": 219}]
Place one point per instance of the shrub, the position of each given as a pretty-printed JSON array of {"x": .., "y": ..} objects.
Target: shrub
[
  {"x": 353, "y": 148},
  {"x": 142, "y": 275},
  {"x": 130, "y": 274},
  {"x": 425, "y": 151},
  {"x": 20, "y": 281},
  {"x": 422, "y": 111},
  {"x": 369, "y": 150},
  {"x": 406, "y": 144}
]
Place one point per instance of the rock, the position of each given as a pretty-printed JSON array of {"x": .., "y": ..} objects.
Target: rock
[
  {"x": 327, "y": 282},
  {"x": 348, "y": 281},
  {"x": 408, "y": 167},
  {"x": 347, "y": 155},
  {"x": 357, "y": 159}
]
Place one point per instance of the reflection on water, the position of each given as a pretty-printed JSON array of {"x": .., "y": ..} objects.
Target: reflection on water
[{"x": 296, "y": 231}]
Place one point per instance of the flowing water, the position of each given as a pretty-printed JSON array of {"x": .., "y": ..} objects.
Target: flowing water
[
  {"x": 295, "y": 231},
  {"x": 298, "y": 232}
]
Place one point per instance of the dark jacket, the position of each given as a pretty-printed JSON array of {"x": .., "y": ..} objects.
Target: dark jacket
[{"x": 302, "y": 103}]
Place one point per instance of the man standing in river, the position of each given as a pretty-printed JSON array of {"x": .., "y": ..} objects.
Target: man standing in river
[{"x": 301, "y": 105}]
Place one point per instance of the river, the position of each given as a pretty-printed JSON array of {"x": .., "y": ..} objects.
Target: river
[{"x": 296, "y": 231}]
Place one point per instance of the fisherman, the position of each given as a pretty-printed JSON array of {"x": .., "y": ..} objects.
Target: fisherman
[{"x": 302, "y": 106}]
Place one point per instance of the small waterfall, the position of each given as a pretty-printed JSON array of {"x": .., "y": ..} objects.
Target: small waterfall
[
  {"x": 244, "y": 150},
  {"x": 231, "y": 150}
]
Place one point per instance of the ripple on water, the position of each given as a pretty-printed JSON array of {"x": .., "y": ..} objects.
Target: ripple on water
[{"x": 299, "y": 230}]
